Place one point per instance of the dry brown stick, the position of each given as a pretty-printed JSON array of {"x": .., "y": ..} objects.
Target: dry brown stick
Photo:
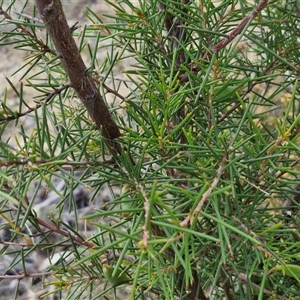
[{"x": 55, "y": 22}]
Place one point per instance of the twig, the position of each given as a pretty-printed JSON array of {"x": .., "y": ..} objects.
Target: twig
[
  {"x": 62, "y": 232},
  {"x": 37, "y": 20},
  {"x": 67, "y": 164},
  {"x": 224, "y": 42},
  {"x": 16, "y": 244},
  {"x": 145, "y": 228},
  {"x": 234, "y": 33},
  {"x": 109, "y": 90},
  {"x": 44, "y": 47},
  {"x": 54, "y": 228},
  {"x": 113, "y": 77},
  {"x": 292, "y": 165},
  {"x": 205, "y": 196},
  {"x": 29, "y": 275},
  {"x": 49, "y": 96}
]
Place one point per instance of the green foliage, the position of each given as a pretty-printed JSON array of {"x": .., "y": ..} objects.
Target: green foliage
[{"x": 204, "y": 191}]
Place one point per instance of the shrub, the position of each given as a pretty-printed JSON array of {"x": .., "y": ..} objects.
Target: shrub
[{"x": 196, "y": 141}]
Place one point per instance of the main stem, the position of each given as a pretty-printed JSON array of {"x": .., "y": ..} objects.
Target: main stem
[{"x": 55, "y": 22}]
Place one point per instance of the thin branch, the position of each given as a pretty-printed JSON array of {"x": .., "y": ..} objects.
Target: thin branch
[
  {"x": 23, "y": 276},
  {"x": 173, "y": 27},
  {"x": 234, "y": 33},
  {"x": 67, "y": 164},
  {"x": 224, "y": 42},
  {"x": 206, "y": 195},
  {"x": 17, "y": 244},
  {"x": 109, "y": 90},
  {"x": 291, "y": 166},
  {"x": 54, "y": 228},
  {"x": 44, "y": 47},
  {"x": 48, "y": 97},
  {"x": 37, "y": 20},
  {"x": 64, "y": 233},
  {"x": 114, "y": 78}
]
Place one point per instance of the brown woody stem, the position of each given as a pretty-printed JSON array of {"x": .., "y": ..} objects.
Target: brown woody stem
[{"x": 55, "y": 22}]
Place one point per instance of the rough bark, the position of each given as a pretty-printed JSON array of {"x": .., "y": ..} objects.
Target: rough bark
[{"x": 55, "y": 22}]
